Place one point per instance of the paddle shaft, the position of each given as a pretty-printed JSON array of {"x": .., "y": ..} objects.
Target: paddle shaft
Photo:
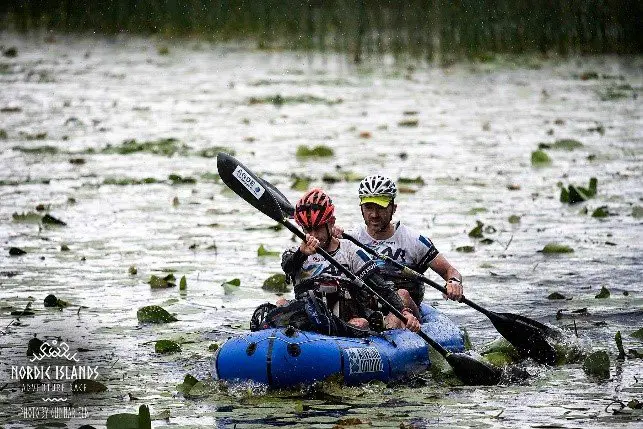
[{"x": 444, "y": 352}]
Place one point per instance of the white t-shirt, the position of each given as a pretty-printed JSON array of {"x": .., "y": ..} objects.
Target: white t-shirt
[
  {"x": 406, "y": 246},
  {"x": 348, "y": 254}
]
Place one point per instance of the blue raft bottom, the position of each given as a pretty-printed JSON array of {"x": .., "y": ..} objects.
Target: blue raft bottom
[{"x": 279, "y": 360}]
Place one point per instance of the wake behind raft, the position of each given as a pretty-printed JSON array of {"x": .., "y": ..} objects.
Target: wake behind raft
[{"x": 285, "y": 357}]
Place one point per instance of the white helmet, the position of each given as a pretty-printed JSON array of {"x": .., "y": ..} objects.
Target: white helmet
[{"x": 377, "y": 186}]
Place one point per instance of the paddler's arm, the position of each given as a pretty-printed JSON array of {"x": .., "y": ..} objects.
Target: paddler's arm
[{"x": 452, "y": 276}]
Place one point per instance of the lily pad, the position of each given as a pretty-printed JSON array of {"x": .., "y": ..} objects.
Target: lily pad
[
  {"x": 275, "y": 283},
  {"x": 477, "y": 231},
  {"x": 320, "y": 151},
  {"x": 154, "y": 314},
  {"x": 122, "y": 421},
  {"x": 411, "y": 181},
  {"x": 604, "y": 293},
  {"x": 601, "y": 211},
  {"x": 597, "y": 364},
  {"x": 514, "y": 219},
  {"x": 262, "y": 251},
  {"x": 638, "y": 334},
  {"x": 556, "y": 295},
  {"x": 180, "y": 180},
  {"x": 567, "y": 144},
  {"x": 165, "y": 146},
  {"x": 408, "y": 123},
  {"x": 16, "y": 251},
  {"x": 29, "y": 217},
  {"x": 300, "y": 183},
  {"x": 162, "y": 282},
  {"x": 540, "y": 158},
  {"x": 553, "y": 248},
  {"x": 476, "y": 210},
  {"x": 188, "y": 382},
  {"x": 230, "y": 286},
  {"x": 167, "y": 347},
  {"x": 50, "y": 220}
]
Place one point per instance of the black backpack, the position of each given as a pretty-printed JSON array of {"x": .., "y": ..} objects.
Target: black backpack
[{"x": 308, "y": 313}]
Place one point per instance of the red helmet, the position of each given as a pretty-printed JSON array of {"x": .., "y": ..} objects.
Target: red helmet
[{"x": 314, "y": 209}]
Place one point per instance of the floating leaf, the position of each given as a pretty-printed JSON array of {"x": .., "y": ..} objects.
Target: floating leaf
[
  {"x": 179, "y": 180},
  {"x": 231, "y": 286},
  {"x": 166, "y": 146},
  {"x": 567, "y": 144},
  {"x": 539, "y": 158},
  {"x": 408, "y": 123},
  {"x": 262, "y": 251},
  {"x": 638, "y": 334},
  {"x": 477, "y": 210},
  {"x": 183, "y": 284},
  {"x": 16, "y": 251},
  {"x": 162, "y": 282},
  {"x": 275, "y": 283},
  {"x": 300, "y": 184},
  {"x": 188, "y": 382},
  {"x": 637, "y": 212},
  {"x": 600, "y": 212},
  {"x": 212, "y": 152},
  {"x": 317, "y": 151},
  {"x": 556, "y": 295},
  {"x": 486, "y": 241},
  {"x": 551, "y": 248},
  {"x": 411, "y": 181},
  {"x": 604, "y": 293},
  {"x": 132, "y": 270},
  {"x": 213, "y": 347},
  {"x": 29, "y": 217},
  {"x": 50, "y": 220},
  {"x": 597, "y": 364},
  {"x": 167, "y": 347},
  {"x": 465, "y": 249},
  {"x": 154, "y": 314},
  {"x": 477, "y": 231},
  {"x": 513, "y": 219},
  {"x": 122, "y": 421}
]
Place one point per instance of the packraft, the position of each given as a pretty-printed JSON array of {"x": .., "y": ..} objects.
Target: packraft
[{"x": 287, "y": 357}]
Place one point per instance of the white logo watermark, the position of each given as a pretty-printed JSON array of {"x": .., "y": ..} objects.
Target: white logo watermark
[{"x": 55, "y": 382}]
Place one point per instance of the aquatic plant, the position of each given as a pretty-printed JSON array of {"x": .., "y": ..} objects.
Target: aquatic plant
[{"x": 435, "y": 30}]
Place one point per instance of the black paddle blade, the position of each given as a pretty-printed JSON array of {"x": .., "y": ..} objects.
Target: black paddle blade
[
  {"x": 473, "y": 372},
  {"x": 528, "y": 336},
  {"x": 283, "y": 202},
  {"x": 248, "y": 186}
]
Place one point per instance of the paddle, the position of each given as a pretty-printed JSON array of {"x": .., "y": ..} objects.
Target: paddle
[
  {"x": 254, "y": 191},
  {"x": 527, "y": 335}
]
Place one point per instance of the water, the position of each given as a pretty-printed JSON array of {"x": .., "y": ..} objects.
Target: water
[{"x": 477, "y": 125}]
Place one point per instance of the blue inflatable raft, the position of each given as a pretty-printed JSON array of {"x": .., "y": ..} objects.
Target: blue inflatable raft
[{"x": 282, "y": 358}]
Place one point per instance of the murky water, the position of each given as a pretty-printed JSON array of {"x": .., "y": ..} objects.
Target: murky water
[{"x": 476, "y": 128}]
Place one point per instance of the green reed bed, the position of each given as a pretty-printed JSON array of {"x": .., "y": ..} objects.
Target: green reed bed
[{"x": 422, "y": 28}]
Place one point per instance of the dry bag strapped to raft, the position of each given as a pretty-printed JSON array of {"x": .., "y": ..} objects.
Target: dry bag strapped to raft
[{"x": 307, "y": 314}]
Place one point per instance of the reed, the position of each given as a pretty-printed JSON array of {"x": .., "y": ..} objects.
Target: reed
[{"x": 432, "y": 29}]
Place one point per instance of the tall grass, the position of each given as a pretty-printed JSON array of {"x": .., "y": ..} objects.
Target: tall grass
[{"x": 422, "y": 28}]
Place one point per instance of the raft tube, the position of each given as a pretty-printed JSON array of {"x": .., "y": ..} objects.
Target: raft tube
[{"x": 284, "y": 358}]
